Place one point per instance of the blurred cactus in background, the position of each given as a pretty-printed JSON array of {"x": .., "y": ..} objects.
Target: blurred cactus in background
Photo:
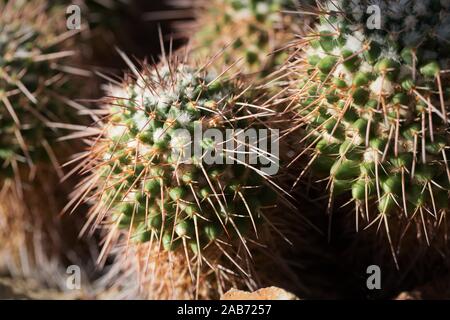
[
  {"x": 32, "y": 82},
  {"x": 38, "y": 77},
  {"x": 248, "y": 33}
]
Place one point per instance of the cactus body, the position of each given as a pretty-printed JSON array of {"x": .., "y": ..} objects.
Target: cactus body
[
  {"x": 148, "y": 185},
  {"x": 374, "y": 103}
]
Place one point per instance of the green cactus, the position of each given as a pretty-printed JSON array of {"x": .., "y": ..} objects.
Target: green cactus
[
  {"x": 251, "y": 30},
  {"x": 147, "y": 184},
  {"x": 31, "y": 83},
  {"x": 374, "y": 103}
]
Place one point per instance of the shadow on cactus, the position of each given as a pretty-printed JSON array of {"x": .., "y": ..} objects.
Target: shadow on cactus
[
  {"x": 145, "y": 185},
  {"x": 374, "y": 106}
]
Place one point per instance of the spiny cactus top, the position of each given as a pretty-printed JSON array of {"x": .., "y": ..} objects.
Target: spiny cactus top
[
  {"x": 31, "y": 34},
  {"x": 252, "y": 29},
  {"x": 144, "y": 180},
  {"x": 374, "y": 96}
]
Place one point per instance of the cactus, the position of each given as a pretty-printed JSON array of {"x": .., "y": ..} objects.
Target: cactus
[
  {"x": 251, "y": 30},
  {"x": 145, "y": 183},
  {"x": 30, "y": 84},
  {"x": 374, "y": 105}
]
